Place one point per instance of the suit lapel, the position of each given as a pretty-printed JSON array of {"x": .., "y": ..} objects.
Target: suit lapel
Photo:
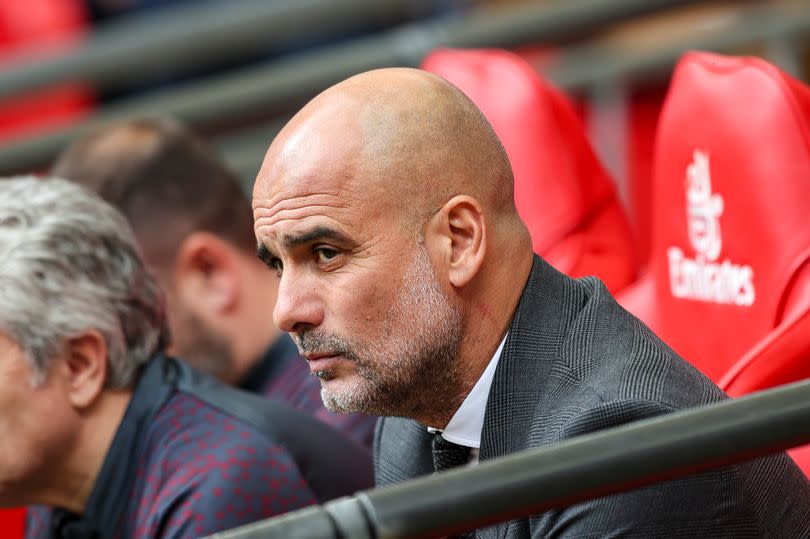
[
  {"x": 549, "y": 302},
  {"x": 402, "y": 451}
]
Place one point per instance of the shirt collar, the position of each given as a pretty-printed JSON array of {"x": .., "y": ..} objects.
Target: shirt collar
[{"x": 464, "y": 428}]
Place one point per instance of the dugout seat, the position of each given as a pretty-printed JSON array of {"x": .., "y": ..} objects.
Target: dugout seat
[
  {"x": 39, "y": 27},
  {"x": 729, "y": 272},
  {"x": 562, "y": 192},
  {"x": 12, "y": 523}
]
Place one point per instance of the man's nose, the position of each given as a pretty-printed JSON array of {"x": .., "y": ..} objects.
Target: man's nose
[{"x": 297, "y": 304}]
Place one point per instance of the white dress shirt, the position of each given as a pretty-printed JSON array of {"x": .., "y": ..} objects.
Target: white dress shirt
[{"x": 464, "y": 428}]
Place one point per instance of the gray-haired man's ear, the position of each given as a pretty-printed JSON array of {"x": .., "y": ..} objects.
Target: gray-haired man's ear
[{"x": 85, "y": 365}]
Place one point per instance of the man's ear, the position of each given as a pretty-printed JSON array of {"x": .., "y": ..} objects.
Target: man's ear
[
  {"x": 86, "y": 368},
  {"x": 459, "y": 231},
  {"x": 206, "y": 274}
]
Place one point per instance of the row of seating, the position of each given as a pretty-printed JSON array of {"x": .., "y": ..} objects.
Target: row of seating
[{"x": 728, "y": 280}]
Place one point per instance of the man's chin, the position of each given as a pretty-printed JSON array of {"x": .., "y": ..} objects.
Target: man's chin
[{"x": 342, "y": 395}]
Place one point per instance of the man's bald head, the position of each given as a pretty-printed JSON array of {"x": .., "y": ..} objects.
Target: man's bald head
[
  {"x": 386, "y": 207},
  {"x": 408, "y": 134}
]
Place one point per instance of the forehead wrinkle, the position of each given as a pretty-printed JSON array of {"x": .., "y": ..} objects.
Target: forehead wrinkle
[
  {"x": 290, "y": 216},
  {"x": 317, "y": 232},
  {"x": 282, "y": 206},
  {"x": 267, "y": 225}
]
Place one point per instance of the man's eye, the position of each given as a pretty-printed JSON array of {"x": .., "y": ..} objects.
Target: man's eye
[
  {"x": 325, "y": 254},
  {"x": 276, "y": 265}
]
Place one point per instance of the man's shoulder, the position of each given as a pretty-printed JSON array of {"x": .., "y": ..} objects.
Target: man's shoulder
[
  {"x": 243, "y": 415},
  {"x": 215, "y": 483},
  {"x": 187, "y": 423},
  {"x": 204, "y": 400},
  {"x": 594, "y": 367},
  {"x": 615, "y": 356}
]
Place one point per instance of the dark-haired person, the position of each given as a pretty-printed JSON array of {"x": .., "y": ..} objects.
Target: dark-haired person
[
  {"x": 407, "y": 278},
  {"x": 195, "y": 226},
  {"x": 103, "y": 433}
]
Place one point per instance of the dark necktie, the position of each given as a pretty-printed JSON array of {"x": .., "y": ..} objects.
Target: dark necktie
[{"x": 447, "y": 454}]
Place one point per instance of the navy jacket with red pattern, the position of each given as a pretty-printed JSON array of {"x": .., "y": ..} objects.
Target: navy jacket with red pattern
[
  {"x": 283, "y": 375},
  {"x": 193, "y": 456}
]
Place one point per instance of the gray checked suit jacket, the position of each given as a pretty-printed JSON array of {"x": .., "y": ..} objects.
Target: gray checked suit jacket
[{"x": 575, "y": 362}]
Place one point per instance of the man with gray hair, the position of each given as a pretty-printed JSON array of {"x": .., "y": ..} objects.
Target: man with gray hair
[{"x": 110, "y": 436}]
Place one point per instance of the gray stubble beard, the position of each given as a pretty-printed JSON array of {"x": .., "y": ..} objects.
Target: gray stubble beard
[{"x": 410, "y": 370}]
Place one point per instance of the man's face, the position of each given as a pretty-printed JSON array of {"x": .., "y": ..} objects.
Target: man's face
[
  {"x": 193, "y": 338},
  {"x": 38, "y": 426},
  {"x": 198, "y": 342},
  {"x": 358, "y": 293}
]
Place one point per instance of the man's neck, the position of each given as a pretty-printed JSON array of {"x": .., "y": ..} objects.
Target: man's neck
[
  {"x": 71, "y": 487},
  {"x": 488, "y": 318}
]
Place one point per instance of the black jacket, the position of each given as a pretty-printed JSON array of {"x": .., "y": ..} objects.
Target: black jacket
[
  {"x": 192, "y": 457},
  {"x": 575, "y": 362}
]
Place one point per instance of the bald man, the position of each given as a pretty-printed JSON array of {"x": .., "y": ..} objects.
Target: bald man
[{"x": 408, "y": 282}]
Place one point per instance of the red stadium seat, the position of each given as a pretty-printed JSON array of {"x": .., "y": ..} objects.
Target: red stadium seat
[
  {"x": 783, "y": 356},
  {"x": 561, "y": 190},
  {"x": 12, "y": 523},
  {"x": 731, "y": 222},
  {"x": 38, "y": 26},
  {"x": 802, "y": 457}
]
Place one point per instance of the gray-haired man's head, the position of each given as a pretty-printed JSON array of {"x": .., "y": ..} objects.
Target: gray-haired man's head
[{"x": 69, "y": 263}]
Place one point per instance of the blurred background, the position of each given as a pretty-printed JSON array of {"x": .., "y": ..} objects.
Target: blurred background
[{"x": 237, "y": 69}]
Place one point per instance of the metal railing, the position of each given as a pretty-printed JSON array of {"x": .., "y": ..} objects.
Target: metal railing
[
  {"x": 281, "y": 86},
  {"x": 183, "y": 38},
  {"x": 589, "y": 67},
  {"x": 579, "y": 69},
  {"x": 583, "y": 468}
]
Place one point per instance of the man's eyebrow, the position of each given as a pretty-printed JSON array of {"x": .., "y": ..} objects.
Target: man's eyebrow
[
  {"x": 317, "y": 233},
  {"x": 264, "y": 254}
]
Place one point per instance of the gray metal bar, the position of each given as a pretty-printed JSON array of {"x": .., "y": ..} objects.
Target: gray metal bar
[
  {"x": 585, "y": 67},
  {"x": 244, "y": 151},
  {"x": 580, "y": 68},
  {"x": 180, "y": 39},
  {"x": 285, "y": 84},
  {"x": 583, "y": 468}
]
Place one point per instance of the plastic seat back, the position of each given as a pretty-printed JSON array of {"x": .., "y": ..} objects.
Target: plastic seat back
[
  {"x": 12, "y": 523},
  {"x": 37, "y": 26},
  {"x": 731, "y": 209}
]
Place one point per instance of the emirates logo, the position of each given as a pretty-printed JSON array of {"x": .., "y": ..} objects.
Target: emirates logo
[{"x": 703, "y": 278}]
